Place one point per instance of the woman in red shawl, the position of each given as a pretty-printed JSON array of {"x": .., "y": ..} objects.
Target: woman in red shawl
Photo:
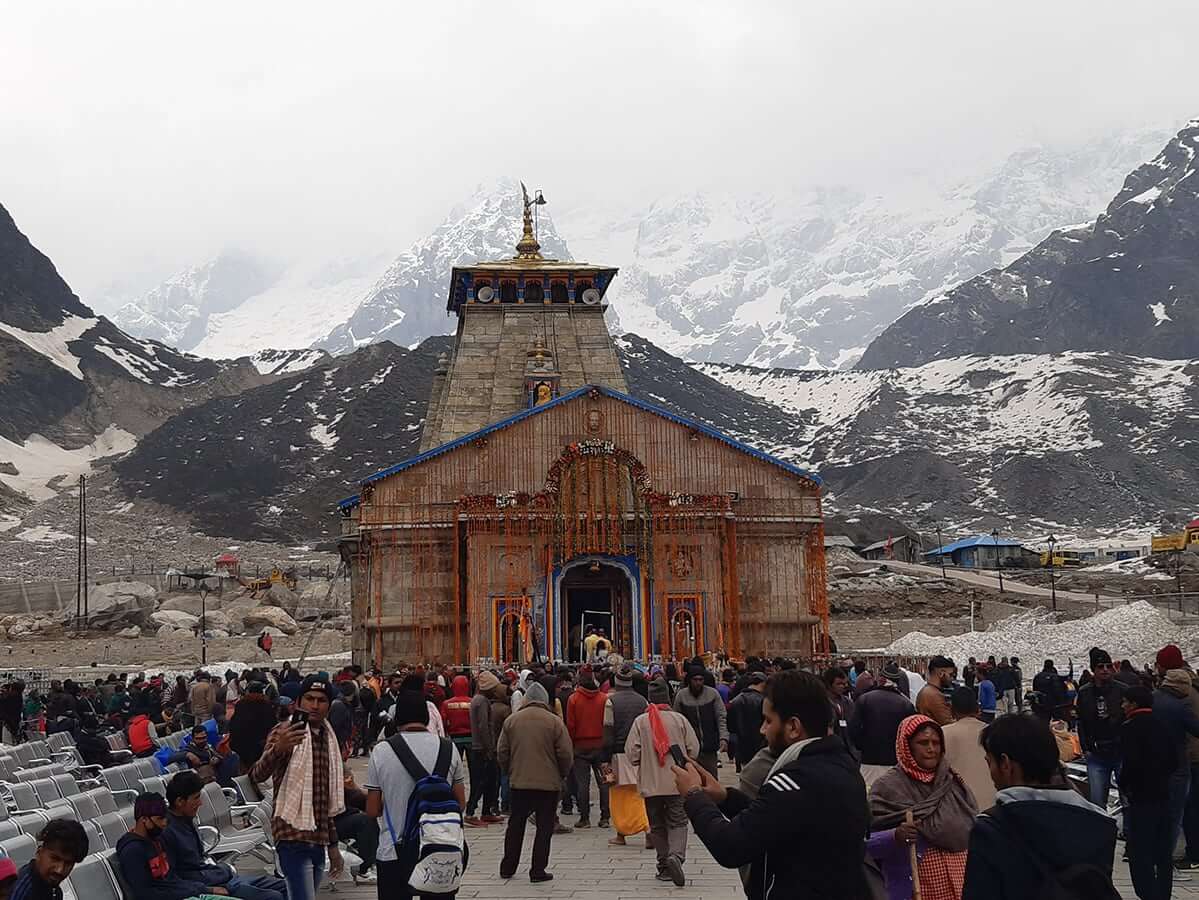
[{"x": 942, "y": 807}]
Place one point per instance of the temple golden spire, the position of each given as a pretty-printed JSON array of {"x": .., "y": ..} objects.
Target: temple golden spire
[{"x": 527, "y": 247}]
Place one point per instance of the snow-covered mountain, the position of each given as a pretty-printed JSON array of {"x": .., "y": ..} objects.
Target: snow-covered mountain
[
  {"x": 1071, "y": 440},
  {"x": 1127, "y": 281},
  {"x": 407, "y": 304},
  {"x": 807, "y": 280},
  {"x": 1076, "y": 442},
  {"x": 237, "y": 304},
  {"x": 802, "y": 279},
  {"x": 73, "y": 387}
]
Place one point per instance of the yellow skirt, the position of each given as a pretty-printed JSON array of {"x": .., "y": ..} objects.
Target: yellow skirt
[{"x": 628, "y": 809}]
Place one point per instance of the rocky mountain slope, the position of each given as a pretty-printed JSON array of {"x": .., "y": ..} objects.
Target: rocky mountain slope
[
  {"x": 1128, "y": 281},
  {"x": 73, "y": 387},
  {"x": 271, "y": 463},
  {"x": 1067, "y": 442},
  {"x": 803, "y": 279},
  {"x": 1071, "y": 442}
]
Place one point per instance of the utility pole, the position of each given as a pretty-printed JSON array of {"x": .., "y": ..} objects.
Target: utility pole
[
  {"x": 81, "y": 567},
  {"x": 941, "y": 554}
]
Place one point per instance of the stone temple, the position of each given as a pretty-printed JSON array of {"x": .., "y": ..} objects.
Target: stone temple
[{"x": 545, "y": 499}]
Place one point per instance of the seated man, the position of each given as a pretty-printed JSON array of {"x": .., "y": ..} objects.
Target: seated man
[
  {"x": 185, "y": 849},
  {"x": 61, "y": 844},
  {"x": 200, "y": 755},
  {"x": 93, "y": 748},
  {"x": 143, "y": 858}
]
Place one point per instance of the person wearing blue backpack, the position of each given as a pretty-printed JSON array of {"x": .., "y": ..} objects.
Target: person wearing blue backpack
[{"x": 415, "y": 787}]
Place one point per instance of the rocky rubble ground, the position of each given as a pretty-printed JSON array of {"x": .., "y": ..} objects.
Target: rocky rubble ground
[{"x": 132, "y": 609}]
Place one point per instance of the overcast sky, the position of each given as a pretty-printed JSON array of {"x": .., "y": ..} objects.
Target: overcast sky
[{"x": 139, "y": 138}]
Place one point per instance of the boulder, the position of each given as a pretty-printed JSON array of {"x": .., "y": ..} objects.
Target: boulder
[
  {"x": 214, "y": 633},
  {"x": 120, "y": 604},
  {"x": 274, "y": 632},
  {"x": 322, "y": 599},
  {"x": 174, "y": 618},
  {"x": 188, "y": 603},
  {"x": 24, "y": 626},
  {"x": 133, "y": 631},
  {"x": 169, "y": 631},
  {"x": 219, "y": 621},
  {"x": 272, "y": 617},
  {"x": 281, "y": 596}
]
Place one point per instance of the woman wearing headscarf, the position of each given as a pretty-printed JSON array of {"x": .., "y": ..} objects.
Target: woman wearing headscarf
[{"x": 942, "y": 808}]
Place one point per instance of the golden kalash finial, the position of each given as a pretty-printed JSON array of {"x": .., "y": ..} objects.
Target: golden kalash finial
[{"x": 527, "y": 247}]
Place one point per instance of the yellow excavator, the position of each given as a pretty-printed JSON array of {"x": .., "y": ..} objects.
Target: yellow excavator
[{"x": 277, "y": 576}]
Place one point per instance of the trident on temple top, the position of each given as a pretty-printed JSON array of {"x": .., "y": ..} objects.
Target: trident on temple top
[{"x": 527, "y": 247}]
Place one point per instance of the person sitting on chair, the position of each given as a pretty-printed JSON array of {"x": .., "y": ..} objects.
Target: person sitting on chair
[{"x": 185, "y": 849}]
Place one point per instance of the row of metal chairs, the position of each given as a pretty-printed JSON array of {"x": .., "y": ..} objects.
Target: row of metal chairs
[{"x": 96, "y": 878}]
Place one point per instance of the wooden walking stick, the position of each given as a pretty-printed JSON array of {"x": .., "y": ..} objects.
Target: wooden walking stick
[{"x": 912, "y": 860}]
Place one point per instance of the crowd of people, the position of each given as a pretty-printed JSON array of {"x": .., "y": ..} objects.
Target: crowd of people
[{"x": 854, "y": 781}]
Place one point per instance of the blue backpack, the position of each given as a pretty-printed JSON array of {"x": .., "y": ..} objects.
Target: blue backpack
[{"x": 433, "y": 841}]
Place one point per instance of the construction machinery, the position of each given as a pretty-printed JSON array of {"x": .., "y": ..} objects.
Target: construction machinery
[
  {"x": 1062, "y": 559},
  {"x": 1186, "y": 539}
]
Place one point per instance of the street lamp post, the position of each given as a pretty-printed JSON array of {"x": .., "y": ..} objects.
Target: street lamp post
[
  {"x": 998, "y": 570},
  {"x": 941, "y": 553},
  {"x": 203, "y": 624},
  {"x": 1052, "y": 580}
]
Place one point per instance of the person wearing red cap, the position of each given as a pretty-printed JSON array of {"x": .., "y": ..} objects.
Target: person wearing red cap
[{"x": 1176, "y": 704}]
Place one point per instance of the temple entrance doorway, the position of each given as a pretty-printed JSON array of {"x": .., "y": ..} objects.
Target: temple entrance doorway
[{"x": 597, "y": 595}]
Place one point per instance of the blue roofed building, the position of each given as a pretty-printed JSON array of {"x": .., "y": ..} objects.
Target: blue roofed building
[{"x": 983, "y": 552}]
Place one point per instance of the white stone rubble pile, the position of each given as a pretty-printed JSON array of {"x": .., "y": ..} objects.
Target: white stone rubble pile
[{"x": 1134, "y": 631}]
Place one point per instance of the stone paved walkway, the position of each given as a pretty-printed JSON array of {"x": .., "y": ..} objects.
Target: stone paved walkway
[{"x": 585, "y": 867}]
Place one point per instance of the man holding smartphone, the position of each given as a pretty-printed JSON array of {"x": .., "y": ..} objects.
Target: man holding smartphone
[
  {"x": 659, "y": 740},
  {"x": 308, "y": 795},
  {"x": 787, "y": 836}
]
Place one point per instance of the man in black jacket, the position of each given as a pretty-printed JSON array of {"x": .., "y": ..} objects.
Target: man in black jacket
[
  {"x": 1038, "y": 824},
  {"x": 875, "y": 722},
  {"x": 745, "y": 719},
  {"x": 1151, "y": 756},
  {"x": 794, "y": 846},
  {"x": 1099, "y": 718},
  {"x": 1049, "y": 684},
  {"x": 185, "y": 850}
]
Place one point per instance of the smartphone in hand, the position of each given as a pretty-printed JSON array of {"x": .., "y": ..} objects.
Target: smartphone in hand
[
  {"x": 680, "y": 759},
  {"x": 299, "y": 717}
]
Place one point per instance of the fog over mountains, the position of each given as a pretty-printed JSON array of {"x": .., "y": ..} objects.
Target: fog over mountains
[{"x": 798, "y": 279}]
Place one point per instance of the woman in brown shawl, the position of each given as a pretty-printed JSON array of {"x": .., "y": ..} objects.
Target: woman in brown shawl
[{"x": 943, "y": 811}]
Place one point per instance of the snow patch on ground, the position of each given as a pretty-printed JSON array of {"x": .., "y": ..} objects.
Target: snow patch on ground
[
  {"x": 52, "y": 344},
  {"x": 39, "y": 462},
  {"x": 285, "y": 362},
  {"x": 1135, "y": 631},
  {"x": 40, "y": 534},
  {"x": 1159, "y": 313}
]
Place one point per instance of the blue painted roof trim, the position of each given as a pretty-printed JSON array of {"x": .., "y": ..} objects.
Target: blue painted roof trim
[
  {"x": 566, "y": 398},
  {"x": 349, "y": 502}
]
